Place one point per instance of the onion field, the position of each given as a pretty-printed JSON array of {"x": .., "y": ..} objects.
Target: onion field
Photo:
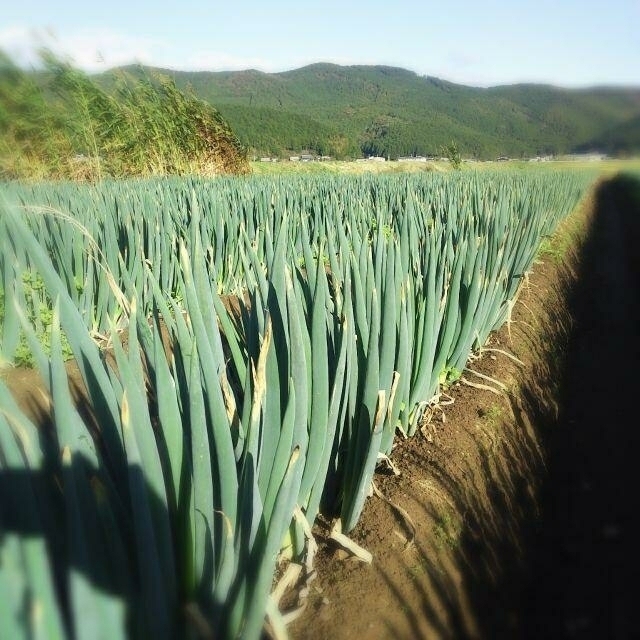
[{"x": 250, "y": 348}]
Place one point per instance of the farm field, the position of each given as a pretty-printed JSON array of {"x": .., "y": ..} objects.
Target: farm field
[
  {"x": 605, "y": 167},
  {"x": 201, "y": 378},
  {"x": 516, "y": 502}
]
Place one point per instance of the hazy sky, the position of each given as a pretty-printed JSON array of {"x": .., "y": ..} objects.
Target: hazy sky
[{"x": 569, "y": 43}]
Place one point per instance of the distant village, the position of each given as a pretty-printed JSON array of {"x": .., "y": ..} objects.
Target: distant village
[{"x": 311, "y": 157}]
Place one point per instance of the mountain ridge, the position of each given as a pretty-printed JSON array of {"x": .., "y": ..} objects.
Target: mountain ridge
[{"x": 355, "y": 110}]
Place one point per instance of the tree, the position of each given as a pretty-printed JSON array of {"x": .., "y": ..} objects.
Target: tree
[{"x": 452, "y": 153}]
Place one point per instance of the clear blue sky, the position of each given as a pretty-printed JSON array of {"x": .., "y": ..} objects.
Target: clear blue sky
[{"x": 564, "y": 42}]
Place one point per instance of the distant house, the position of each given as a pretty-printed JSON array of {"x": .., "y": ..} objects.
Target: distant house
[
  {"x": 306, "y": 157},
  {"x": 589, "y": 156},
  {"x": 294, "y": 158}
]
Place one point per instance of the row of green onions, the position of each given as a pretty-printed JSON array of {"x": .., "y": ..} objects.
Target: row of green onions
[{"x": 212, "y": 440}]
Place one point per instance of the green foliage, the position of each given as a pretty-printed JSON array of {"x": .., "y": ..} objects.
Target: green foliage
[
  {"x": 622, "y": 139},
  {"x": 62, "y": 124},
  {"x": 38, "y": 313},
  {"x": 279, "y": 134},
  {"x": 447, "y": 530},
  {"x": 422, "y": 114},
  {"x": 32, "y": 138},
  {"x": 493, "y": 415},
  {"x": 343, "y": 112},
  {"x": 452, "y": 153},
  {"x": 448, "y": 376},
  {"x": 378, "y": 110}
]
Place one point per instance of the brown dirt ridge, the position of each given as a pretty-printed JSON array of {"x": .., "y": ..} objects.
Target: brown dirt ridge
[{"x": 520, "y": 500}]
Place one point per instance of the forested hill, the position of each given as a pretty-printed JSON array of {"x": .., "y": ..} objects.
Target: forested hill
[{"x": 349, "y": 111}]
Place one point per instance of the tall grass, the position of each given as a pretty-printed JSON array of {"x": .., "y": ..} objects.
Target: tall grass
[{"x": 61, "y": 123}]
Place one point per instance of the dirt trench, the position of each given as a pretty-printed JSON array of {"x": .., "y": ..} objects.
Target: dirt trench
[
  {"x": 586, "y": 557},
  {"x": 515, "y": 513}
]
